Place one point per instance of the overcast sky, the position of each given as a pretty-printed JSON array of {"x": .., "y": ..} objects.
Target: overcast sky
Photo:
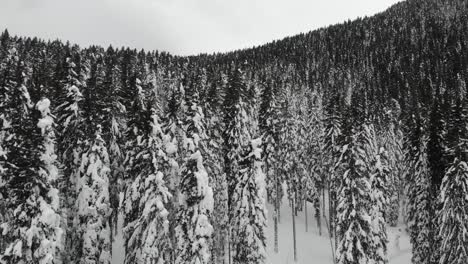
[{"x": 181, "y": 27}]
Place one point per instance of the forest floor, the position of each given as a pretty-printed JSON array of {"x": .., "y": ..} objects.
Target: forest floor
[
  {"x": 311, "y": 247},
  {"x": 315, "y": 248}
]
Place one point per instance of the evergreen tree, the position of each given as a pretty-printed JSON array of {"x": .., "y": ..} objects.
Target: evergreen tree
[
  {"x": 419, "y": 208},
  {"x": 236, "y": 137},
  {"x": 146, "y": 234},
  {"x": 70, "y": 140},
  {"x": 33, "y": 232},
  {"x": 8, "y": 84},
  {"x": 93, "y": 206},
  {"x": 391, "y": 138},
  {"x": 215, "y": 168},
  {"x": 193, "y": 229},
  {"x": 358, "y": 239},
  {"x": 269, "y": 121},
  {"x": 249, "y": 221},
  {"x": 269, "y": 127},
  {"x": 378, "y": 166},
  {"x": 452, "y": 217},
  {"x": 331, "y": 151},
  {"x": 354, "y": 206}
]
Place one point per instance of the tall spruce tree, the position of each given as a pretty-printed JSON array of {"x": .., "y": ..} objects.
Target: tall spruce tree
[
  {"x": 236, "y": 137},
  {"x": 93, "y": 205},
  {"x": 193, "y": 229},
  {"x": 70, "y": 141},
  {"x": 249, "y": 220},
  {"x": 419, "y": 207},
  {"x": 33, "y": 232},
  {"x": 355, "y": 223},
  {"x": 453, "y": 217},
  {"x": 147, "y": 237}
]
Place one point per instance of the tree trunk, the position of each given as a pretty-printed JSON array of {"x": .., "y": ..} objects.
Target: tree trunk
[
  {"x": 294, "y": 229},
  {"x": 317, "y": 215},
  {"x": 278, "y": 213},
  {"x": 306, "y": 220},
  {"x": 276, "y": 216}
]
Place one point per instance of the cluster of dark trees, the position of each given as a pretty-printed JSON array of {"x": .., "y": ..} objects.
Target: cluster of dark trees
[{"x": 367, "y": 120}]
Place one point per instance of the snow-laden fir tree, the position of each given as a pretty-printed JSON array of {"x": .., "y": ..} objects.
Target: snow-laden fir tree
[
  {"x": 419, "y": 207},
  {"x": 92, "y": 205},
  {"x": 354, "y": 223},
  {"x": 453, "y": 219},
  {"x": 138, "y": 131},
  {"x": 113, "y": 120},
  {"x": 71, "y": 137},
  {"x": 248, "y": 238},
  {"x": 215, "y": 167},
  {"x": 172, "y": 129},
  {"x": 391, "y": 138},
  {"x": 146, "y": 237},
  {"x": 193, "y": 229},
  {"x": 354, "y": 204},
  {"x": 33, "y": 233},
  {"x": 312, "y": 132},
  {"x": 269, "y": 128},
  {"x": 378, "y": 167},
  {"x": 453, "y": 214},
  {"x": 236, "y": 139},
  {"x": 7, "y": 86},
  {"x": 331, "y": 148}
]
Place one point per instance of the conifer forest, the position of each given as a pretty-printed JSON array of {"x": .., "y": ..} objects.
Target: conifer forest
[{"x": 355, "y": 134}]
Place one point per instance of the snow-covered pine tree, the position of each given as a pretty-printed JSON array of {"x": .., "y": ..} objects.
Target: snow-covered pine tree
[
  {"x": 173, "y": 142},
  {"x": 419, "y": 207},
  {"x": 268, "y": 124},
  {"x": 391, "y": 138},
  {"x": 138, "y": 130},
  {"x": 49, "y": 219},
  {"x": 378, "y": 166},
  {"x": 113, "y": 128},
  {"x": 147, "y": 233},
  {"x": 269, "y": 128},
  {"x": 70, "y": 139},
  {"x": 33, "y": 233},
  {"x": 174, "y": 134},
  {"x": 292, "y": 169},
  {"x": 7, "y": 87},
  {"x": 453, "y": 217},
  {"x": 236, "y": 138},
  {"x": 331, "y": 148},
  {"x": 92, "y": 204},
  {"x": 193, "y": 228},
  {"x": 312, "y": 131},
  {"x": 354, "y": 203},
  {"x": 249, "y": 221},
  {"x": 215, "y": 167}
]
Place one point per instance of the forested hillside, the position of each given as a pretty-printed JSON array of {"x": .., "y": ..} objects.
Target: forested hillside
[{"x": 367, "y": 120}]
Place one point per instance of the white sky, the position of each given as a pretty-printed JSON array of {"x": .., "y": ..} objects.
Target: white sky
[{"x": 182, "y": 27}]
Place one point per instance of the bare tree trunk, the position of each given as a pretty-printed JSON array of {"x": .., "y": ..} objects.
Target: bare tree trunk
[
  {"x": 294, "y": 229},
  {"x": 229, "y": 247},
  {"x": 323, "y": 203},
  {"x": 276, "y": 216},
  {"x": 306, "y": 219},
  {"x": 277, "y": 202},
  {"x": 317, "y": 214},
  {"x": 275, "y": 220},
  {"x": 330, "y": 208}
]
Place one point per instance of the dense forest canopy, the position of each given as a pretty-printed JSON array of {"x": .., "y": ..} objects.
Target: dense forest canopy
[{"x": 370, "y": 113}]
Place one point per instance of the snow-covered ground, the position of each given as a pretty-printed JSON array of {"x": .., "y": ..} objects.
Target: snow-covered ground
[{"x": 311, "y": 247}]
